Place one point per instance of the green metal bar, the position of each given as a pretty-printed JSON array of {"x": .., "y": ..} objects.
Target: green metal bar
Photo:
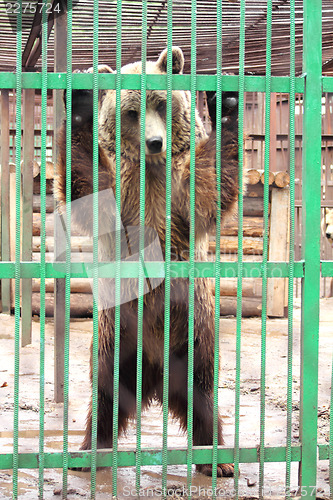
[
  {"x": 42, "y": 248},
  {"x": 201, "y": 455},
  {"x": 291, "y": 243},
  {"x": 218, "y": 240},
  {"x": 159, "y": 82},
  {"x": 167, "y": 282},
  {"x": 154, "y": 269},
  {"x": 327, "y": 83},
  {"x": 17, "y": 246},
  {"x": 118, "y": 255},
  {"x": 94, "y": 417},
  {"x": 265, "y": 248},
  {"x": 190, "y": 354},
  {"x": 327, "y": 269},
  {"x": 141, "y": 244},
  {"x": 240, "y": 236},
  {"x": 68, "y": 243},
  {"x": 311, "y": 195}
]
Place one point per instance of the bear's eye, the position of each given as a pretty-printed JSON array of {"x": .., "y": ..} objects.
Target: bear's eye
[
  {"x": 133, "y": 114},
  {"x": 161, "y": 108}
]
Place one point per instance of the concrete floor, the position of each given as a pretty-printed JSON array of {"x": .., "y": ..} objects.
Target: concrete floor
[{"x": 275, "y": 422}]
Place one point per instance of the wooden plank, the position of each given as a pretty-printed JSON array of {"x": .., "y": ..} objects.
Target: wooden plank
[
  {"x": 5, "y": 226},
  {"x": 278, "y": 249},
  {"x": 81, "y": 305},
  {"x": 12, "y": 230},
  {"x": 78, "y": 285},
  {"x": 27, "y": 194},
  {"x": 49, "y": 203},
  {"x": 60, "y": 62}
]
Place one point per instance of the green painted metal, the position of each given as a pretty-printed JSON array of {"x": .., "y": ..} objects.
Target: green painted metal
[
  {"x": 240, "y": 239},
  {"x": 311, "y": 192},
  {"x": 155, "y": 269},
  {"x": 268, "y": 90},
  {"x": 311, "y": 84},
  {"x": 167, "y": 282},
  {"x": 291, "y": 245},
  {"x": 154, "y": 457},
  {"x": 190, "y": 352},
  {"x": 94, "y": 403},
  {"x": 42, "y": 251},
  {"x": 159, "y": 82},
  {"x": 17, "y": 273}
]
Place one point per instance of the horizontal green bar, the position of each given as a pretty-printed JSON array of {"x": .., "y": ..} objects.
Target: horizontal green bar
[
  {"x": 149, "y": 457},
  {"x": 323, "y": 451},
  {"x": 327, "y": 268},
  {"x": 151, "y": 269},
  {"x": 159, "y": 82},
  {"x": 328, "y": 84}
]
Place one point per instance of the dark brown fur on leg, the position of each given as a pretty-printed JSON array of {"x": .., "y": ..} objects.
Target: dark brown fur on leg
[{"x": 202, "y": 410}]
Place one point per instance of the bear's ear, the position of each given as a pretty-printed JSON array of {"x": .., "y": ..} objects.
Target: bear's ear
[{"x": 177, "y": 61}]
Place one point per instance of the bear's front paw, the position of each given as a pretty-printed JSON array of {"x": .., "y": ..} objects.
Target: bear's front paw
[
  {"x": 229, "y": 109},
  {"x": 223, "y": 470}
]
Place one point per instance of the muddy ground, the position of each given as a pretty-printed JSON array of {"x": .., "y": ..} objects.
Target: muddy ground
[{"x": 79, "y": 482}]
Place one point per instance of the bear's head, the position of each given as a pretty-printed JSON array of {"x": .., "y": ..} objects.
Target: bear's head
[{"x": 156, "y": 107}]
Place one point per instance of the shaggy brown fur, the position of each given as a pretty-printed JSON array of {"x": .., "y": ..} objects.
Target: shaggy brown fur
[{"x": 205, "y": 218}]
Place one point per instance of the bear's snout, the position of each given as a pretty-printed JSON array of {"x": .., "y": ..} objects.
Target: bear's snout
[{"x": 154, "y": 144}]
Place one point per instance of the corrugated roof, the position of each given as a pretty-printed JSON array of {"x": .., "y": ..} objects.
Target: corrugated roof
[{"x": 157, "y": 34}]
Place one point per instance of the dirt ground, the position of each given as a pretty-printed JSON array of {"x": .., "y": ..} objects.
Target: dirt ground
[{"x": 79, "y": 482}]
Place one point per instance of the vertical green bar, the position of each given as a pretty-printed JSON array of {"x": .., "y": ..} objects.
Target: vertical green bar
[
  {"x": 68, "y": 240},
  {"x": 42, "y": 247},
  {"x": 291, "y": 244},
  {"x": 265, "y": 249},
  {"x": 168, "y": 194},
  {"x": 192, "y": 247},
  {"x": 241, "y": 87},
  {"x": 118, "y": 255},
  {"x": 95, "y": 258},
  {"x": 17, "y": 246},
  {"x": 218, "y": 239},
  {"x": 141, "y": 244},
  {"x": 311, "y": 193}
]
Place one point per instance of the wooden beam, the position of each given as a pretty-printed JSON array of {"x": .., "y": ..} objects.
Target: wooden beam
[
  {"x": 27, "y": 197},
  {"x": 60, "y": 64},
  {"x": 5, "y": 229}
]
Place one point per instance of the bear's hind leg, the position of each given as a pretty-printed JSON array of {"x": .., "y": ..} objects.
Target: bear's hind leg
[{"x": 203, "y": 403}]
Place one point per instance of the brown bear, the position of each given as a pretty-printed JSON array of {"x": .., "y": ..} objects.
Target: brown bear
[{"x": 205, "y": 219}]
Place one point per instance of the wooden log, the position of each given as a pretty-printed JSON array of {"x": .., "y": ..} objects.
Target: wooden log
[
  {"x": 75, "y": 257},
  {"x": 253, "y": 176},
  {"x": 252, "y": 227},
  {"x": 78, "y": 285},
  {"x": 79, "y": 244},
  {"x": 49, "y": 225},
  {"x": 253, "y": 207},
  {"x": 81, "y": 305},
  {"x": 251, "y": 287},
  {"x": 282, "y": 179},
  {"x": 49, "y": 203},
  {"x": 251, "y": 306},
  {"x": 278, "y": 250},
  {"x": 251, "y": 246},
  {"x": 49, "y": 170},
  {"x": 271, "y": 178}
]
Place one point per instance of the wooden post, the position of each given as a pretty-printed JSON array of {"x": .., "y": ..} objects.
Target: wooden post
[
  {"x": 5, "y": 230},
  {"x": 278, "y": 249},
  {"x": 60, "y": 45},
  {"x": 27, "y": 197},
  {"x": 273, "y": 144}
]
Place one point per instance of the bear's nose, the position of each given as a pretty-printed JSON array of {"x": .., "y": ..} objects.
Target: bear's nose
[
  {"x": 155, "y": 144},
  {"x": 328, "y": 235}
]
